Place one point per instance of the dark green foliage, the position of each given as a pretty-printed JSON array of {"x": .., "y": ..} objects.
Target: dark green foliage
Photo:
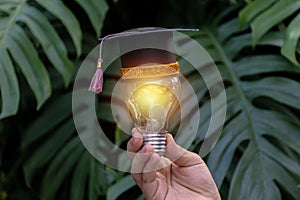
[{"x": 255, "y": 45}]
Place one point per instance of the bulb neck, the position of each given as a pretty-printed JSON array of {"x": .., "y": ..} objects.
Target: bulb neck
[{"x": 157, "y": 141}]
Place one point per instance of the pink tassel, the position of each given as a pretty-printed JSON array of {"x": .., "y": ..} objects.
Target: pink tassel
[{"x": 97, "y": 81}]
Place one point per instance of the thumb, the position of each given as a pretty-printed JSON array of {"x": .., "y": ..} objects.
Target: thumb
[{"x": 179, "y": 155}]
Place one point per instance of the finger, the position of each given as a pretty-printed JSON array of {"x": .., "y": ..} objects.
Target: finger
[
  {"x": 149, "y": 183},
  {"x": 149, "y": 171},
  {"x": 134, "y": 144},
  {"x": 179, "y": 155},
  {"x": 139, "y": 161},
  {"x": 163, "y": 163}
]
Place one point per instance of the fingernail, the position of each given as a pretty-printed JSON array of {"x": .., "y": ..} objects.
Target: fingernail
[{"x": 144, "y": 149}]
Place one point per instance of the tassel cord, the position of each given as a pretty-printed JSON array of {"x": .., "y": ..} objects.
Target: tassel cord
[{"x": 97, "y": 80}]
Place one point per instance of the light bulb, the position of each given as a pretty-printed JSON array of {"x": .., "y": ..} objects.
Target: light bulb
[{"x": 150, "y": 105}]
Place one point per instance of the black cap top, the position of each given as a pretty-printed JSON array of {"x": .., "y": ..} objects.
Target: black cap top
[{"x": 157, "y": 48}]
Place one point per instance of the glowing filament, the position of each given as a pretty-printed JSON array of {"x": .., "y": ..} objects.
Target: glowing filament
[{"x": 149, "y": 106}]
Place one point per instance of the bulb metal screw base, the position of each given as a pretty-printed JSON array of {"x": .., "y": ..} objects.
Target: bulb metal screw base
[{"x": 157, "y": 141}]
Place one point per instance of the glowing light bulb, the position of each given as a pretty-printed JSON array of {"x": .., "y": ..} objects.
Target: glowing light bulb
[{"x": 150, "y": 105}]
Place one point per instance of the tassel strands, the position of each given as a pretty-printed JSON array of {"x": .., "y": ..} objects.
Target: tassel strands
[{"x": 97, "y": 80}]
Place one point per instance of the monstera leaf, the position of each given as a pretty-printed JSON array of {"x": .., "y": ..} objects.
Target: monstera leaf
[
  {"x": 62, "y": 156},
  {"x": 256, "y": 157},
  {"x": 264, "y": 15},
  {"x": 26, "y": 32},
  {"x": 257, "y": 148}
]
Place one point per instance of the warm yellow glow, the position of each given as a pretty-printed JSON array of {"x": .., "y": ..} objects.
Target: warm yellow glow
[{"x": 152, "y": 99}]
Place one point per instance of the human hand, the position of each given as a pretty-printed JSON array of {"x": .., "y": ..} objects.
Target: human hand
[{"x": 181, "y": 174}]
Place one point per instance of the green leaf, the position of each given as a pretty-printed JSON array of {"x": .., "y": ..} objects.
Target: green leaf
[
  {"x": 258, "y": 164},
  {"x": 98, "y": 182},
  {"x": 59, "y": 10},
  {"x": 227, "y": 29},
  {"x": 96, "y": 11},
  {"x": 252, "y": 10},
  {"x": 198, "y": 85},
  {"x": 120, "y": 136},
  {"x": 93, "y": 187},
  {"x": 253, "y": 158},
  {"x": 247, "y": 125},
  {"x": 8, "y": 86},
  {"x": 221, "y": 156},
  {"x": 291, "y": 40},
  {"x": 48, "y": 120},
  {"x": 141, "y": 197},
  {"x": 272, "y": 38},
  {"x": 251, "y": 177},
  {"x": 268, "y": 19},
  {"x": 80, "y": 176},
  {"x": 263, "y": 64},
  {"x": 118, "y": 188},
  {"x": 7, "y": 5},
  {"x": 52, "y": 45},
  {"x": 24, "y": 28},
  {"x": 46, "y": 151},
  {"x": 280, "y": 124},
  {"x": 238, "y": 43},
  {"x": 25, "y": 56},
  {"x": 56, "y": 174},
  {"x": 208, "y": 114},
  {"x": 273, "y": 152},
  {"x": 277, "y": 88}
]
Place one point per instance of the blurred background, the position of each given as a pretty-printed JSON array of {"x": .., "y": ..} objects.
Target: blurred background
[{"x": 254, "y": 43}]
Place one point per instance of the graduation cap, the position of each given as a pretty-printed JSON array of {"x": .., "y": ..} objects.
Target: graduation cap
[{"x": 155, "y": 58}]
